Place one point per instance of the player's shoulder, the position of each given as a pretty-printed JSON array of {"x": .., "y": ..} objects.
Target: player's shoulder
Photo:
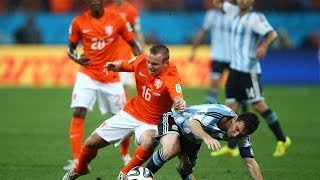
[
  {"x": 82, "y": 17},
  {"x": 127, "y": 5},
  {"x": 141, "y": 59},
  {"x": 172, "y": 70},
  {"x": 257, "y": 16}
]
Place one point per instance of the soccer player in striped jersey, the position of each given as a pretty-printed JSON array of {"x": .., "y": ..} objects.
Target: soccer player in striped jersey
[
  {"x": 182, "y": 135},
  {"x": 218, "y": 23},
  {"x": 251, "y": 36}
]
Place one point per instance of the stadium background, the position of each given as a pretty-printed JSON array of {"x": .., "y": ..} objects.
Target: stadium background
[{"x": 36, "y": 82}]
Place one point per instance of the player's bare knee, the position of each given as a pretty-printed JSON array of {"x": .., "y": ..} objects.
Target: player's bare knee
[
  {"x": 147, "y": 140},
  {"x": 171, "y": 151},
  {"x": 94, "y": 141}
]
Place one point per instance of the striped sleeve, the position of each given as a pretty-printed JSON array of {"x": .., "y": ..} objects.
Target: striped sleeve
[{"x": 260, "y": 24}]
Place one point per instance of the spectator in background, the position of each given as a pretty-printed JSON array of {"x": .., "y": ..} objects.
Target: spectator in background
[
  {"x": 283, "y": 42},
  {"x": 311, "y": 41},
  {"x": 29, "y": 33},
  {"x": 60, "y": 6}
]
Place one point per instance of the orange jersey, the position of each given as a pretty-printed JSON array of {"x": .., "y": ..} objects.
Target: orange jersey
[
  {"x": 130, "y": 13},
  {"x": 100, "y": 39},
  {"x": 154, "y": 93}
]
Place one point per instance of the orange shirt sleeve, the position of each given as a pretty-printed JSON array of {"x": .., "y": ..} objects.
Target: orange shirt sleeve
[
  {"x": 126, "y": 30},
  {"x": 131, "y": 65},
  {"x": 173, "y": 83},
  {"x": 74, "y": 31}
]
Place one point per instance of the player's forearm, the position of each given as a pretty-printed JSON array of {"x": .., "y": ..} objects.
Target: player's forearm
[
  {"x": 197, "y": 130},
  {"x": 136, "y": 47},
  {"x": 179, "y": 104},
  {"x": 198, "y": 39},
  {"x": 271, "y": 37},
  {"x": 253, "y": 168}
]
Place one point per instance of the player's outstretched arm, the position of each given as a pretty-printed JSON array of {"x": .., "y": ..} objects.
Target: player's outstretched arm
[
  {"x": 201, "y": 34},
  {"x": 113, "y": 66},
  {"x": 253, "y": 168},
  {"x": 196, "y": 128}
]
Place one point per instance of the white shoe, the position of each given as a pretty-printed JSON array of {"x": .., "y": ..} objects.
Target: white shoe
[
  {"x": 72, "y": 164},
  {"x": 126, "y": 158},
  {"x": 71, "y": 175},
  {"x": 122, "y": 176}
]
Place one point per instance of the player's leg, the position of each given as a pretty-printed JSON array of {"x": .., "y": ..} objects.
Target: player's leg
[
  {"x": 169, "y": 139},
  {"x": 126, "y": 79},
  {"x": 111, "y": 131},
  {"x": 188, "y": 157},
  {"x": 83, "y": 99},
  {"x": 145, "y": 139},
  {"x": 273, "y": 122},
  {"x": 254, "y": 95},
  {"x": 111, "y": 99},
  {"x": 215, "y": 77}
]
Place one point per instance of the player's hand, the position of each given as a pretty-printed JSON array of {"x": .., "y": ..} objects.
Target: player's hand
[
  {"x": 191, "y": 57},
  {"x": 112, "y": 66},
  {"x": 180, "y": 106},
  {"x": 261, "y": 52},
  {"x": 212, "y": 143},
  {"x": 82, "y": 60}
]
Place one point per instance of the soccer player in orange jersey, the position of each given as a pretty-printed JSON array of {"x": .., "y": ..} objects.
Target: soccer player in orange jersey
[
  {"x": 158, "y": 89},
  {"x": 99, "y": 32},
  {"x": 130, "y": 13}
]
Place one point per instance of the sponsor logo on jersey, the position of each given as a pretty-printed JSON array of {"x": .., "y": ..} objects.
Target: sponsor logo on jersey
[
  {"x": 158, "y": 83},
  {"x": 86, "y": 30},
  {"x": 140, "y": 73}
]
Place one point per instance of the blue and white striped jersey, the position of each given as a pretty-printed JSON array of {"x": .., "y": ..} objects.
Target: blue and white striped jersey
[
  {"x": 218, "y": 23},
  {"x": 246, "y": 31},
  {"x": 208, "y": 115}
]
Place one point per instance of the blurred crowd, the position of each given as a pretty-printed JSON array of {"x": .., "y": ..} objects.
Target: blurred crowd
[{"x": 64, "y": 6}]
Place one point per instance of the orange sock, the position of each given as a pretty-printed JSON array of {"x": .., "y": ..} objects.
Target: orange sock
[
  {"x": 124, "y": 147},
  {"x": 139, "y": 156},
  {"x": 76, "y": 135},
  {"x": 85, "y": 158}
]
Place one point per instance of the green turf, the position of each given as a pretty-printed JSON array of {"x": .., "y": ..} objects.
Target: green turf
[{"x": 34, "y": 140}]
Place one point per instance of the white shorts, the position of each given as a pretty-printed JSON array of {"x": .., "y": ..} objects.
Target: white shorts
[
  {"x": 86, "y": 91},
  {"x": 127, "y": 78},
  {"x": 122, "y": 125}
]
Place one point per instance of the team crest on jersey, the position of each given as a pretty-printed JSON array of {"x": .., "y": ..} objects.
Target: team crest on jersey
[
  {"x": 158, "y": 83},
  {"x": 108, "y": 29}
]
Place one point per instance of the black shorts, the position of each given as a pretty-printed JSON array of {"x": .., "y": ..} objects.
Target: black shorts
[
  {"x": 243, "y": 87},
  {"x": 219, "y": 66},
  {"x": 168, "y": 125}
]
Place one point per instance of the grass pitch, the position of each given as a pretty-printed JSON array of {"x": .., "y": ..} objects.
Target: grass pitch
[{"x": 35, "y": 145}]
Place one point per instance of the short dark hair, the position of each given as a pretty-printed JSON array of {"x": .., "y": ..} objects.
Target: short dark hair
[
  {"x": 251, "y": 121},
  {"x": 160, "y": 49}
]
